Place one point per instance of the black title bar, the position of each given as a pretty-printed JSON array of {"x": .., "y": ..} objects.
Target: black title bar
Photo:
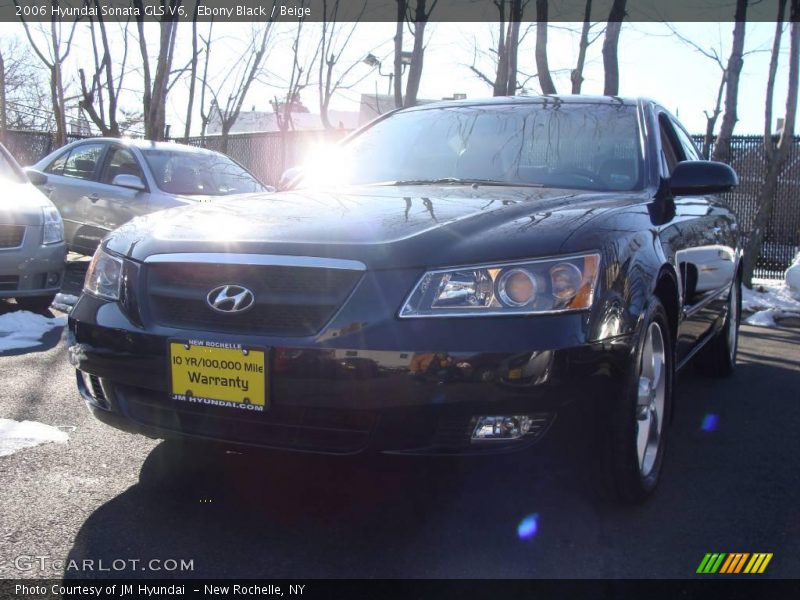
[{"x": 369, "y": 10}]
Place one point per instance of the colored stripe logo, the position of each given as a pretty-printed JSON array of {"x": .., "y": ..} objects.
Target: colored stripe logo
[{"x": 734, "y": 563}]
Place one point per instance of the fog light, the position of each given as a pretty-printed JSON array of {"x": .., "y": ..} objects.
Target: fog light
[
  {"x": 52, "y": 279},
  {"x": 501, "y": 427}
]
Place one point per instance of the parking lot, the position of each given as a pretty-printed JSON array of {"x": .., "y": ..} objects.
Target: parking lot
[{"x": 729, "y": 485}]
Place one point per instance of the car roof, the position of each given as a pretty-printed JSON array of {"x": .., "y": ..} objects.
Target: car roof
[
  {"x": 148, "y": 144},
  {"x": 548, "y": 99}
]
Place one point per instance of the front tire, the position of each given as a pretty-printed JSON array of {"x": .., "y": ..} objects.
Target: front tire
[
  {"x": 636, "y": 436},
  {"x": 718, "y": 358}
]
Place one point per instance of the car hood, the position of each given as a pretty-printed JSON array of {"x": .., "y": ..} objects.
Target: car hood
[
  {"x": 21, "y": 203},
  {"x": 384, "y": 226}
]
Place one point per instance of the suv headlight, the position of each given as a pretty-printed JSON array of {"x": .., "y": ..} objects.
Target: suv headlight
[
  {"x": 104, "y": 276},
  {"x": 520, "y": 287},
  {"x": 53, "y": 226}
]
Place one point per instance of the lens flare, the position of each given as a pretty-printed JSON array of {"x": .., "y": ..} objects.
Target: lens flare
[
  {"x": 528, "y": 527},
  {"x": 710, "y": 422}
]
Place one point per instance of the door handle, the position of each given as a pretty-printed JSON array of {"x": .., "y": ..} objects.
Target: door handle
[{"x": 94, "y": 197}]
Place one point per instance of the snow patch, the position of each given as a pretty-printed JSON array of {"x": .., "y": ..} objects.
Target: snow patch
[
  {"x": 23, "y": 329},
  {"x": 16, "y": 435},
  {"x": 769, "y": 301},
  {"x": 64, "y": 302}
]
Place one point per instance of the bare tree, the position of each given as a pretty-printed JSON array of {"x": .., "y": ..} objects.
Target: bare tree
[
  {"x": 99, "y": 97},
  {"x": 542, "y": 66},
  {"x": 576, "y": 76},
  {"x": 610, "y": 45},
  {"x": 722, "y": 148},
  {"x": 333, "y": 43},
  {"x": 24, "y": 100},
  {"x": 156, "y": 85},
  {"x": 712, "y": 116},
  {"x": 53, "y": 58},
  {"x": 192, "y": 73},
  {"x": 504, "y": 51},
  {"x": 398, "y": 52},
  {"x": 421, "y": 16},
  {"x": 776, "y": 153},
  {"x": 236, "y": 82}
]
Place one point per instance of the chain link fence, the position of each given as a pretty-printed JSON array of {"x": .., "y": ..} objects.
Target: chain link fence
[
  {"x": 29, "y": 147},
  {"x": 269, "y": 154},
  {"x": 782, "y": 237}
]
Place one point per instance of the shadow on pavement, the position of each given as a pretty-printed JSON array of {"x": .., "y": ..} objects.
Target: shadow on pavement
[
  {"x": 47, "y": 341},
  {"x": 730, "y": 485}
]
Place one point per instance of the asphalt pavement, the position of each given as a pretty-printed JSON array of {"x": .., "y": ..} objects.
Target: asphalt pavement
[{"x": 729, "y": 484}]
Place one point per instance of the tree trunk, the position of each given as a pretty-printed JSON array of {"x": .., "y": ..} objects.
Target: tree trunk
[
  {"x": 776, "y": 156},
  {"x": 576, "y": 76},
  {"x": 610, "y": 46},
  {"x": 398, "y": 54},
  {"x": 417, "y": 54},
  {"x": 501, "y": 79},
  {"x": 722, "y": 149},
  {"x": 192, "y": 77},
  {"x": 512, "y": 45},
  {"x": 542, "y": 67},
  {"x": 3, "y": 114}
]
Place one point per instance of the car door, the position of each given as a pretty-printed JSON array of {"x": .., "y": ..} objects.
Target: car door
[
  {"x": 117, "y": 204},
  {"x": 704, "y": 245},
  {"x": 72, "y": 187}
]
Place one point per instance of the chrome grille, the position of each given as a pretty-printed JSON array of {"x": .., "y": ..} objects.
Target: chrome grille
[
  {"x": 11, "y": 236},
  {"x": 289, "y": 300}
]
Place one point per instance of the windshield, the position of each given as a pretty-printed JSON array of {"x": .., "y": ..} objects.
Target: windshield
[
  {"x": 587, "y": 146},
  {"x": 8, "y": 169},
  {"x": 199, "y": 173}
]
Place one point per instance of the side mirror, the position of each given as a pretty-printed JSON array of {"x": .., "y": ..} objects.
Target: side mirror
[
  {"x": 699, "y": 177},
  {"x": 36, "y": 177},
  {"x": 290, "y": 178},
  {"x": 132, "y": 182}
]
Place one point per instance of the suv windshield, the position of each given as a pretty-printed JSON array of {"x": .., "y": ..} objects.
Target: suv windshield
[
  {"x": 199, "y": 173},
  {"x": 587, "y": 146}
]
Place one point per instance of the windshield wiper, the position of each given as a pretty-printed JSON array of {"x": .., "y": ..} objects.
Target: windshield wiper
[{"x": 462, "y": 181}]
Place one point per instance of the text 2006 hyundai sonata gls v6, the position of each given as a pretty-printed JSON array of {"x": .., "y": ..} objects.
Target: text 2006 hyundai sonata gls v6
[{"x": 460, "y": 274}]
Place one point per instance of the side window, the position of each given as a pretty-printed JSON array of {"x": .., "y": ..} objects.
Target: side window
[
  {"x": 57, "y": 166},
  {"x": 120, "y": 162},
  {"x": 671, "y": 153},
  {"x": 82, "y": 161},
  {"x": 687, "y": 145}
]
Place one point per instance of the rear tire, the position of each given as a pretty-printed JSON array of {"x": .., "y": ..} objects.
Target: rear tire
[
  {"x": 718, "y": 358},
  {"x": 37, "y": 304},
  {"x": 634, "y": 436}
]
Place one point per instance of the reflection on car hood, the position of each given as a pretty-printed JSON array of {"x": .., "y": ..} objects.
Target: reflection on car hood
[
  {"x": 199, "y": 198},
  {"x": 21, "y": 203},
  {"x": 367, "y": 222}
]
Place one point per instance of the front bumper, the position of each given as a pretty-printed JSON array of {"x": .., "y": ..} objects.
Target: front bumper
[
  {"x": 416, "y": 391},
  {"x": 31, "y": 269}
]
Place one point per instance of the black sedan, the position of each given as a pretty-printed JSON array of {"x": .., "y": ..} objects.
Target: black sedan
[{"x": 448, "y": 280}]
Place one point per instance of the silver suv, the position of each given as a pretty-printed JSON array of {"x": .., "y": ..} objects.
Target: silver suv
[{"x": 32, "y": 248}]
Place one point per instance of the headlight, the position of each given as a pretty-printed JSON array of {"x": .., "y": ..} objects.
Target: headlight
[
  {"x": 53, "y": 226},
  {"x": 523, "y": 287},
  {"x": 103, "y": 276}
]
